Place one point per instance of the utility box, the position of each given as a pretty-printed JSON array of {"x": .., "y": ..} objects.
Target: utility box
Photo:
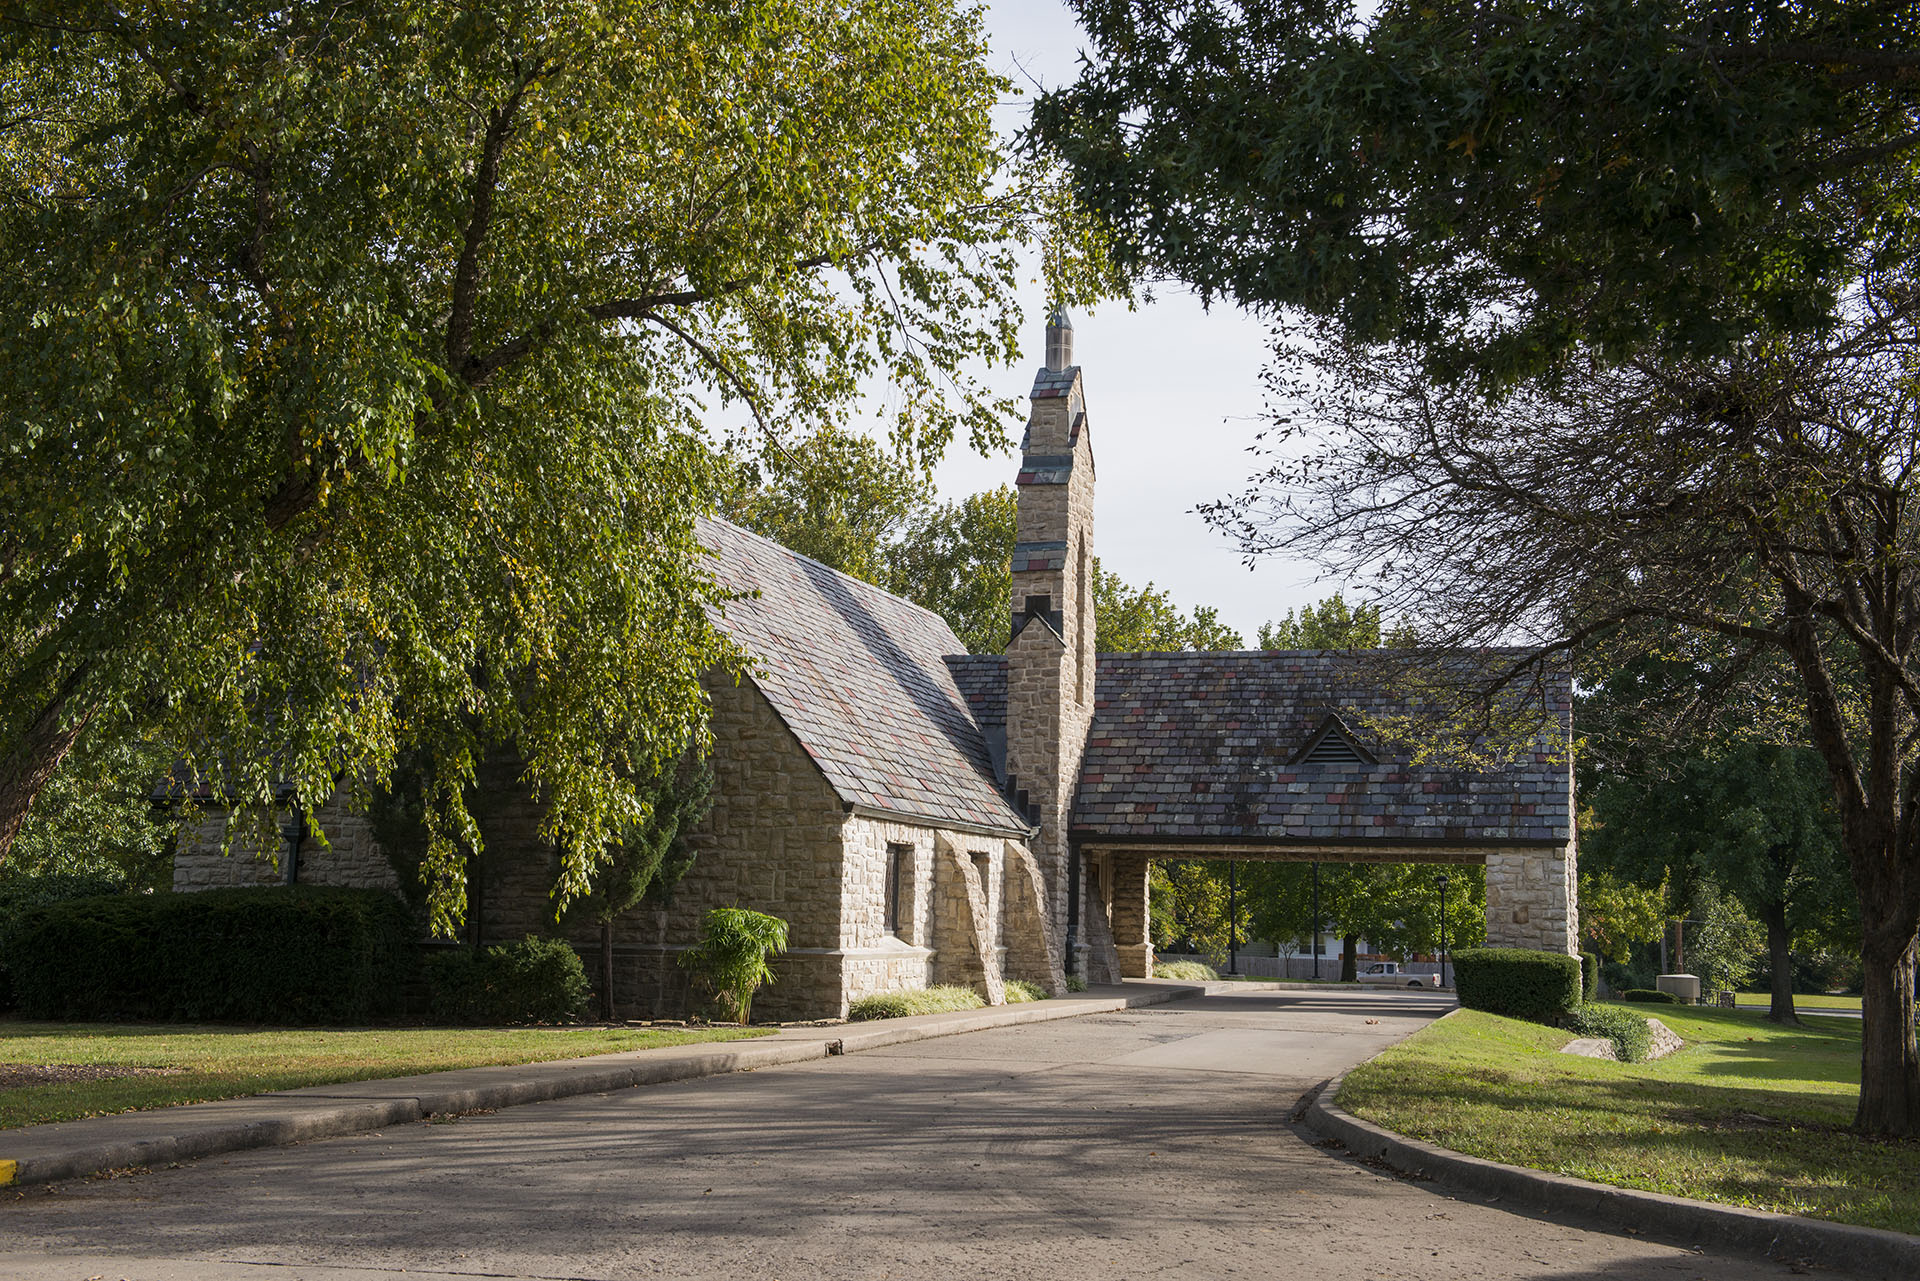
[{"x": 1684, "y": 986}]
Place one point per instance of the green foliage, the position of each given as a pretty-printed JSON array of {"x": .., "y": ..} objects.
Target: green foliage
[
  {"x": 1500, "y": 189},
  {"x": 956, "y": 559},
  {"x": 1723, "y": 942},
  {"x": 1075, "y": 983},
  {"x": 1020, "y": 991},
  {"x": 1589, "y": 977},
  {"x": 1517, "y": 983},
  {"x": 531, "y": 980},
  {"x": 1130, "y": 620},
  {"x": 923, "y": 1000},
  {"x": 653, "y": 858},
  {"x": 18, "y": 894},
  {"x": 97, "y": 818},
  {"x": 839, "y": 496},
  {"x": 1327, "y": 625},
  {"x": 325, "y": 441},
  {"x": 292, "y": 954},
  {"x": 730, "y": 960},
  {"x": 1632, "y": 1038},
  {"x": 1191, "y": 971},
  {"x": 1649, "y": 996},
  {"x": 1616, "y": 914}
]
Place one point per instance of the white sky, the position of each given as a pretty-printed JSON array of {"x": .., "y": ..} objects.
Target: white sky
[{"x": 1173, "y": 401}]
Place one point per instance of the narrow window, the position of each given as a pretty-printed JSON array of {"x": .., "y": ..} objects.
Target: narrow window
[
  {"x": 898, "y": 857},
  {"x": 1085, "y": 608}
]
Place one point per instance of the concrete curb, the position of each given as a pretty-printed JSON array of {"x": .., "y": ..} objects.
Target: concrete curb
[
  {"x": 74, "y": 1149},
  {"x": 1871, "y": 1252}
]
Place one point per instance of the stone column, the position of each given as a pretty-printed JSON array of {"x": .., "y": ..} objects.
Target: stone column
[
  {"x": 1531, "y": 900},
  {"x": 1130, "y": 919}
]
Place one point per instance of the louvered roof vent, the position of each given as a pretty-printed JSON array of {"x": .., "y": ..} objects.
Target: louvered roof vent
[{"x": 1333, "y": 744}]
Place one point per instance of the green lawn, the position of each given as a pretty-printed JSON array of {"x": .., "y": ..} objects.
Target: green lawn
[
  {"x": 1748, "y": 1113},
  {"x": 223, "y": 1062}
]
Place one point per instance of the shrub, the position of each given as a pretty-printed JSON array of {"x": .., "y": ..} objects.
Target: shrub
[
  {"x": 923, "y": 1000},
  {"x": 1019, "y": 990},
  {"x": 1516, "y": 982},
  {"x": 19, "y": 893},
  {"x": 730, "y": 960},
  {"x": 1632, "y": 1038},
  {"x": 1191, "y": 971},
  {"x": 1589, "y": 976},
  {"x": 1075, "y": 983},
  {"x": 1649, "y": 996},
  {"x": 533, "y": 980},
  {"x": 285, "y": 954}
]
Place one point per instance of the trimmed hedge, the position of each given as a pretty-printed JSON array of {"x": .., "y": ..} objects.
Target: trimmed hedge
[
  {"x": 1649, "y": 996},
  {"x": 1517, "y": 982},
  {"x": 19, "y": 893},
  {"x": 1632, "y": 1038},
  {"x": 533, "y": 980},
  {"x": 1589, "y": 977},
  {"x": 283, "y": 954}
]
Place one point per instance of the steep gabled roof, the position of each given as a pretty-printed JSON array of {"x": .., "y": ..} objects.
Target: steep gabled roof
[
  {"x": 858, "y": 675},
  {"x": 1213, "y": 748}
]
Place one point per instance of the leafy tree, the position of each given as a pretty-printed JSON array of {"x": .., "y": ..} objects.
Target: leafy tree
[
  {"x": 1327, "y": 625},
  {"x": 956, "y": 558},
  {"x": 97, "y": 819},
  {"x": 357, "y": 358},
  {"x": 1724, "y": 940},
  {"x": 840, "y": 497},
  {"x": 649, "y": 862},
  {"x": 1614, "y": 330},
  {"x": 1503, "y": 186},
  {"x": 1138, "y": 620},
  {"x": 1615, "y": 913}
]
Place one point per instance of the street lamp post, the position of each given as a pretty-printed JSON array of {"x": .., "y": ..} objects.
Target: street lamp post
[{"x": 1443, "y": 929}]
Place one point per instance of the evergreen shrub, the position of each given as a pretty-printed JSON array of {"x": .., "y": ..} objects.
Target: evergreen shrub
[
  {"x": 1632, "y": 1038},
  {"x": 532, "y": 980},
  {"x": 1649, "y": 996},
  {"x": 1517, "y": 982},
  {"x": 19, "y": 893},
  {"x": 282, "y": 954},
  {"x": 1589, "y": 976}
]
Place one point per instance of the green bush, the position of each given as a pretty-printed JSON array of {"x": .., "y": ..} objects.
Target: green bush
[
  {"x": 1019, "y": 991},
  {"x": 1516, "y": 982},
  {"x": 285, "y": 954},
  {"x": 1649, "y": 996},
  {"x": 19, "y": 893},
  {"x": 1632, "y": 1038},
  {"x": 1589, "y": 977},
  {"x": 730, "y": 960},
  {"x": 924, "y": 1000},
  {"x": 533, "y": 980},
  {"x": 1191, "y": 971},
  {"x": 1075, "y": 983}
]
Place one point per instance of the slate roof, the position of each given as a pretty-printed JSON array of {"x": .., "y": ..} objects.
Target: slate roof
[
  {"x": 857, "y": 675},
  {"x": 1195, "y": 748}
]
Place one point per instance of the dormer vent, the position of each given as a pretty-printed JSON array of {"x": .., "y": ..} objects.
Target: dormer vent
[{"x": 1333, "y": 744}]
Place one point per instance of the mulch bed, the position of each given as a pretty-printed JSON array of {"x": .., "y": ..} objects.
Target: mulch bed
[{"x": 15, "y": 1076}]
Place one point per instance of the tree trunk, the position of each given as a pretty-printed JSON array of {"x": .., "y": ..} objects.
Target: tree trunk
[
  {"x": 1780, "y": 957},
  {"x": 1889, "y": 1066},
  {"x": 1349, "y": 963},
  {"x": 606, "y": 971},
  {"x": 31, "y": 762}
]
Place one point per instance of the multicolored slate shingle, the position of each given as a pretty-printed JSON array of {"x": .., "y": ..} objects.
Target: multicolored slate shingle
[
  {"x": 858, "y": 676},
  {"x": 1199, "y": 748}
]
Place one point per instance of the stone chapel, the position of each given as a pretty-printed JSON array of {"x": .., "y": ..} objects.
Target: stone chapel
[{"x": 923, "y": 816}]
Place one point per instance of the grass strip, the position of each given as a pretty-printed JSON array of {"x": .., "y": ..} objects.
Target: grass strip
[
  {"x": 200, "y": 1063},
  {"x": 1746, "y": 1114},
  {"x": 922, "y": 1000}
]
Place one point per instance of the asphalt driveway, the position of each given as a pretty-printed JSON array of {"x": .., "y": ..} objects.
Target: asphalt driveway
[{"x": 1149, "y": 1143}]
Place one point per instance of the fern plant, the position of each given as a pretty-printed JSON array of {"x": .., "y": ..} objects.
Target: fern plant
[{"x": 730, "y": 960}]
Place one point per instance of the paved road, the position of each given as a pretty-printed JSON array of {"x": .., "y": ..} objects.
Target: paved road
[{"x": 1150, "y": 1143}]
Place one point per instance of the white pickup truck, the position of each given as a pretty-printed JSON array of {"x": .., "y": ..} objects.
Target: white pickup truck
[{"x": 1390, "y": 972}]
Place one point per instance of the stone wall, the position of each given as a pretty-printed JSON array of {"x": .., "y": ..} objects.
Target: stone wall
[
  {"x": 1132, "y": 944},
  {"x": 348, "y": 855}
]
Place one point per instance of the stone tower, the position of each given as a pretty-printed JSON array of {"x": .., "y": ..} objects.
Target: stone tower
[{"x": 1050, "y": 657}]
